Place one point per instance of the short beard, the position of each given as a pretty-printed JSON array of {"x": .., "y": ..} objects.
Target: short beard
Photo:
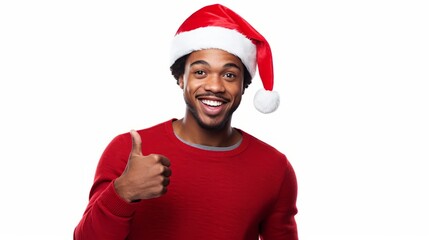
[{"x": 204, "y": 126}]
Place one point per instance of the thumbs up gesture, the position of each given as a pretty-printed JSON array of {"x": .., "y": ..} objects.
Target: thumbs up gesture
[{"x": 144, "y": 177}]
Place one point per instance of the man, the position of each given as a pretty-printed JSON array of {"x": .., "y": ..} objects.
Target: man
[{"x": 222, "y": 182}]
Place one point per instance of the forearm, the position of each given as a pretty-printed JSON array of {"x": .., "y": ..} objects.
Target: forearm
[{"x": 107, "y": 217}]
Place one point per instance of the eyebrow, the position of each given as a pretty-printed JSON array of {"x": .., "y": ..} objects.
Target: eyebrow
[
  {"x": 199, "y": 62},
  {"x": 207, "y": 64}
]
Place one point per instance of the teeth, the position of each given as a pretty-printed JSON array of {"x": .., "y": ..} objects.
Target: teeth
[{"x": 211, "y": 103}]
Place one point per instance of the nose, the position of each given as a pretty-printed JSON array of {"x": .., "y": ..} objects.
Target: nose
[{"x": 214, "y": 83}]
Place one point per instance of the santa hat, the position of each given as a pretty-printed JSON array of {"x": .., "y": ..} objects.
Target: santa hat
[{"x": 216, "y": 26}]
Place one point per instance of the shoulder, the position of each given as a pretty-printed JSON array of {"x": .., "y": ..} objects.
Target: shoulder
[
  {"x": 270, "y": 160},
  {"x": 123, "y": 140},
  {"x": 259, "y": 145},
  {"x": 154, "y": 129},
  {"x": 151, "y": 136},
  {"x": 266, "y": 153}
]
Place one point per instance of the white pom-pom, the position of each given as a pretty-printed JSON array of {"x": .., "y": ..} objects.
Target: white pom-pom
[{"x": 266, "y": 101}]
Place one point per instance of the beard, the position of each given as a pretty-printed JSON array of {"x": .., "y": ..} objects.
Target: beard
[{"x": 214, "y": 125}]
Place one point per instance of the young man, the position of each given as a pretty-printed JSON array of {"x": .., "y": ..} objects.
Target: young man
[{"x": 222, "y": 182}]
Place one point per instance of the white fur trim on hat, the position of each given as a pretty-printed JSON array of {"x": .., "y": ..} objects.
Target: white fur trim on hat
[
  {"x": 266, "y": 101},
  {"x": 215, "y": 37}
]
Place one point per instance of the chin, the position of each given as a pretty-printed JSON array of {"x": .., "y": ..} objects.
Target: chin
[
  {"x": 212, "y": 127},
  {"x": 213, "y": 124}
]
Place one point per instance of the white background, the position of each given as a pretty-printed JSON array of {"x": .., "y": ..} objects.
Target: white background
[{"x": 353, "y": 118}]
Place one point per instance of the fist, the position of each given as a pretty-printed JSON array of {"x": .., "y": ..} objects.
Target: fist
[{"x": 144, "y": 177}]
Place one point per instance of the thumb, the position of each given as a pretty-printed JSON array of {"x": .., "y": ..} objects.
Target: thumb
[{"x": 137, "y": 143}]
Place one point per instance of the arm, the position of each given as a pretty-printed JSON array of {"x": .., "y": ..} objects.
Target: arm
[
  {"x": 124, "y": 175},
  {"x": 107, "y": 215},
  {"x": 280, "y": 222}
]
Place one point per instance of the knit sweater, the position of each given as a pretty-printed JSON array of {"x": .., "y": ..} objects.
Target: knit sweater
[{"x": 231, "y": 194}]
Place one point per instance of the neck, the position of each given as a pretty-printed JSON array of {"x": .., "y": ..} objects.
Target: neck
[{"x": 189, "y": 130}]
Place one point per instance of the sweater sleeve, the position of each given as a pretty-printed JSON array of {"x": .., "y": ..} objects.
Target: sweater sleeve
[
  {"x": 107, "y": 216},
  {"x": 280, "y": 222}
]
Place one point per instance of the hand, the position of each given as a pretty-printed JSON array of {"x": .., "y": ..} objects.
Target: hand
[{"x": 144, "y": 177}]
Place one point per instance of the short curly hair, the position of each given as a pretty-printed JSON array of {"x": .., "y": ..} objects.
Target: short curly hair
[{"x": 178, "y": 69}]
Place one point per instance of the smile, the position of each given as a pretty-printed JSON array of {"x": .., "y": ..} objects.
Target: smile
[{"x": 211, "y": 103}]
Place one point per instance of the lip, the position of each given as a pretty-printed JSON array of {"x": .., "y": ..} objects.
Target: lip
[{"x": 212, "y": 109}]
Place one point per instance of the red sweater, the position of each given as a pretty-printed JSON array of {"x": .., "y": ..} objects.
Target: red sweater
[{"x": 239, "y": 194}]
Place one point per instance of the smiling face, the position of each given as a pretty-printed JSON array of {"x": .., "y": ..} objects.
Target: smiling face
[{"x": 212, "y": 87}]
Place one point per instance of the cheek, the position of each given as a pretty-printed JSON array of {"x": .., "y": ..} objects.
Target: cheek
[
  {"x": 191, "y": 85},
  {"x": 237, "y": 89},
  {"x": 188, "y": 88}
]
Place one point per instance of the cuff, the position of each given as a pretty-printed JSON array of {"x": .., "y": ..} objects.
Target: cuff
[{"x": 115, "y": 204}]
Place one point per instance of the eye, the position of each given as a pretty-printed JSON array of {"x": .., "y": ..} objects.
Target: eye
[
  {"x": 230, "y": 76},
  {"x": 199, "y": 73}
]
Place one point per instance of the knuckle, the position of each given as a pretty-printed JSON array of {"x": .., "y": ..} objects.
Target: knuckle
[
  {"x": 159, "y": 190},
  {"x": 160, "y": 179},
  {"x": 156, "y": 157},
  {"x": 160, "y": 169}
]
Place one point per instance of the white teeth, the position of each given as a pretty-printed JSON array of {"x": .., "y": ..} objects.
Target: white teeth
[{"x": 211, "y": 103}]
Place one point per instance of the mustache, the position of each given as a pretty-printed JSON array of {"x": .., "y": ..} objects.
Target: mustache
[{"x": 211, "y": 94}]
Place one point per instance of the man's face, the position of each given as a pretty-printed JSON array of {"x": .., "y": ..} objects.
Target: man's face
[{"x": 212, "y": 86}]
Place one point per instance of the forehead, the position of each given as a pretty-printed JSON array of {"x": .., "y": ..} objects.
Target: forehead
[{"x": 213, "y": 57}]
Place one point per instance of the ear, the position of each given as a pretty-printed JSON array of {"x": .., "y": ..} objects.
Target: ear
[{"x": 181, "y": 83}]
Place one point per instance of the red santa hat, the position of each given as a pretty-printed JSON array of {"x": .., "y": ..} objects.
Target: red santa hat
[{"x": 216, "y": 26}]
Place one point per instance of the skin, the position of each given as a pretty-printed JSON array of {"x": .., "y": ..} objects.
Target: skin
[
  {"x": 211, "y": 77},
  {"x": 212, "y": 86},
  {"x": 144, "y": 177}
]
